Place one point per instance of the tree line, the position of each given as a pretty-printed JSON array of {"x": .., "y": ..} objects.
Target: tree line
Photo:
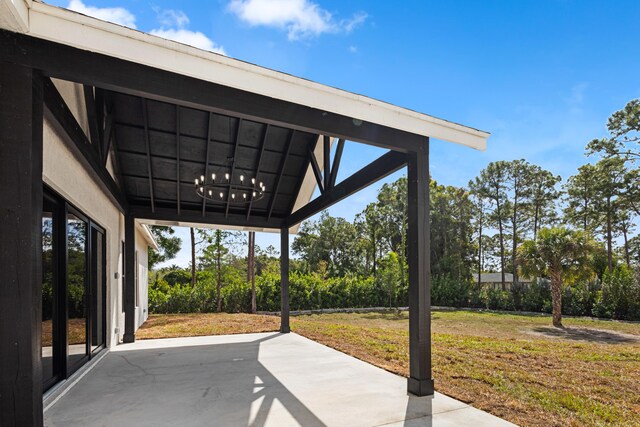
[{"x": 486, "y": 226}]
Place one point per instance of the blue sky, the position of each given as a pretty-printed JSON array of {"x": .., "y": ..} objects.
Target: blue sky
[{"x": 541, "y": 76}]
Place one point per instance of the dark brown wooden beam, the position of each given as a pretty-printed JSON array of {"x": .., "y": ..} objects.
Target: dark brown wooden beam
[
  {"x": 178, "y": 158},
  {"x": 233, "y": 166},
  {"x": 375, "y": 171},
  {"x": 284, "y": 281},
  {"x": 107, "y": 132},
  {"x": 129, "y": 279},
  {"x": 206, "y": 161},
  {"x": 145, "y": 118},
  {"x": 21, "y": 124},
  {"x": 65, "y": 62},
  {"x": 316, "y": 168},
  {"x": 336, "y": 163},
  {"x": 92, "y": 119},
  {"x": 283, "y": 164},
  {"x": 211, "y": 218},
  {"x": 326, "y": 158},
  {"x": 259, "y": 164},
  {"x": 62, "y": 118},
  {"x": 420, "y": 381}
]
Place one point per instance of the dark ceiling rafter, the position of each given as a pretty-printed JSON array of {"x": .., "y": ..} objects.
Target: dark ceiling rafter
[
  {"x": 206, "y": 161},
  {"x": 326, "y": 158},
  {"x": 336, "y": 163},
  {"x": 263, "y": 144},
  {"x": 178, "y": 158},
  {"x": 92, "y": 119},
  {"x": 233, "y": 165},
  {"x": 145, "y": 118},
  {"x": 316, "y": 168},
  {"x": 375, "y": 171},
  {"x": 283, "y": 164},
  {"x": 108, "y": 133}
]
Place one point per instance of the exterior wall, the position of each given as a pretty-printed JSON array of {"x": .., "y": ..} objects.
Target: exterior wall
[
  {"x": 66, "y": 176},
  {"x": 142, "y": 305},
  {"x": 69, "y": 178}
]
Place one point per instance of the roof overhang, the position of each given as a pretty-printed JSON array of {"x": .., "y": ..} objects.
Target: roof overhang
[
  {"x": 207, "y": 81},
  {"x": 87, "y": 33}
]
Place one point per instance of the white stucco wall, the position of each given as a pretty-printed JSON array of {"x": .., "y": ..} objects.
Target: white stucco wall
[
  {"x": 66, "y": 176},
  {"x": 142, "y": 309},
  {"x": 69, "y": 178}
]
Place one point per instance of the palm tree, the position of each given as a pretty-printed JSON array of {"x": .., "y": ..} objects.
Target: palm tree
[{"x": 557, "y": 253}]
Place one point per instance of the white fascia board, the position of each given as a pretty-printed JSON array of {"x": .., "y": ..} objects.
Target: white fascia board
[
  {"x": 146, "y": 232},
  {"x": 87, "y": 33},
  {"x": 14, "y": 15},
  {"x": 210, "y": 226}
]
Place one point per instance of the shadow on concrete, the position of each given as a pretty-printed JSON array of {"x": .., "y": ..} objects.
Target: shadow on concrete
[
  {"x": 586, "y": 334},
  {"x": 219, "y": 384},
  {"x": 419, "y": 412}
]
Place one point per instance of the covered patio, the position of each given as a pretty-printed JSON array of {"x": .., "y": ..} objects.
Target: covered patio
[
  {"x": 156, "y": 117},
  {"x": 267, "y": 379}
]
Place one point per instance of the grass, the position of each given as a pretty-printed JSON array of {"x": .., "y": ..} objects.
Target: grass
[{"x": 514, "y": 366}]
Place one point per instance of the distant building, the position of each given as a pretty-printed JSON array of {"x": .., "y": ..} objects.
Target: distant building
[{"x": 495, "y": 280}]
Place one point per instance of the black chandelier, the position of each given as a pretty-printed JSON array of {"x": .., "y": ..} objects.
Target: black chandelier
[{"x": 234, "y": 188}]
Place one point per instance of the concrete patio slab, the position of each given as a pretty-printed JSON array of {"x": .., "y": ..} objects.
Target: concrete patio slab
[{"x": 268, "y": 379}]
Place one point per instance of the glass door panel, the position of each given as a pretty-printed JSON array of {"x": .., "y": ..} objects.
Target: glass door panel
[
  {"x": 76, "y": 289},
  {"x": 49, "y": 295},
  {"x": 98, "y": 289}
]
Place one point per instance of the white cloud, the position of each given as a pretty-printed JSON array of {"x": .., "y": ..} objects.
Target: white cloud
[
  {"x": 353, "y": 23},
  {"x": 172, "y": 18},
  {"x": 192, "y": 38},
  {"x": 117, "y": 15},
  {"x": 300, "y": 18},
  {"x": 353, "y": 49}
]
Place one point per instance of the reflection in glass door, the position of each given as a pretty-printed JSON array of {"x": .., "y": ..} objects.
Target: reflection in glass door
[
  {"x": 98, "y": 289},
  {"x": 76, "y": 290},
  {"x": 50, "y": 325},
  {"x": 73, "y": 289}
]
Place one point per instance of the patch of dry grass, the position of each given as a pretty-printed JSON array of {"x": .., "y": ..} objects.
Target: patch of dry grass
[
  {"x": 191, "y": 325},
  {"x": 509, "y": 365},
  {"x": 513, "y": 366}
]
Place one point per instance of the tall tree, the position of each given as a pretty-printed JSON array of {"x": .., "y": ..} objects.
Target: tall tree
[
  {"x": 452, "y": 250},
  {"x": 624, "y": 130},
  {"x": 543, "y": 198},
  {"x": 214, "y": 253},
  {"x": 329, "y": 241},
  {"x": 520, "y": 175},
  {"x": 581, "y": 199},
  {"x": 251, "y": 270},
  {"x": 491, "y": 184},
  {"x": 611, "y": 180},
  {"x": 556, "y": 253},
  {"x": 623, "y": 142},
  {"x": 193, "y": 256},
  {"x": 168, "y": 245},
  {"x": 479, "y": 219}
]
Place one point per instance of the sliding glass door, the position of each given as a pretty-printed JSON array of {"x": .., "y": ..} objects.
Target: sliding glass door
[{"x": 74, "y": 289}]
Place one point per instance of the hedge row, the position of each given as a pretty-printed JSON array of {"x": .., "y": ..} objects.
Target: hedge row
[{"x": 616, "y": 296}]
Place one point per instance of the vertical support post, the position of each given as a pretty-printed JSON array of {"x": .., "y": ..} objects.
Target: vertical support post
[
  {"x": 129, "y": 279},
  {"x": 284, "y": 280},
  {"x": 420, "y": 382},
  {"x": 21, "y": 120}
]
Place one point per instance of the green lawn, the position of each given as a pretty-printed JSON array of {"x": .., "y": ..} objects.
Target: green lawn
[{"x": 514, "y": 366}]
